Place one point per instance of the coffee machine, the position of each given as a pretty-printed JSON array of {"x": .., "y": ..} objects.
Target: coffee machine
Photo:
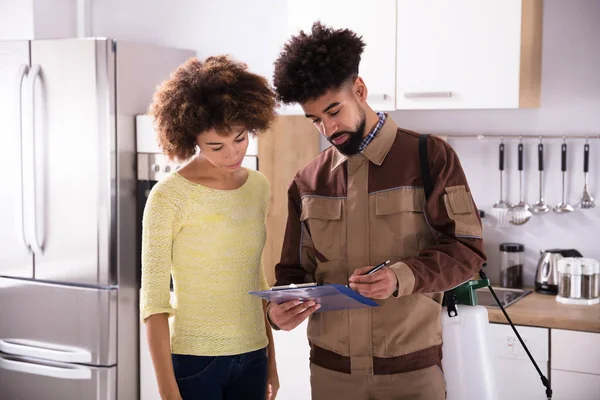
[{"x": 546, "y": 276}]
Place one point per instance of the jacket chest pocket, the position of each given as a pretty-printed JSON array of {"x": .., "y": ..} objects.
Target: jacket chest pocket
[
  {"x": 324, "y": 218},
  {"x": 399, "y": 227},
  {"x": 461, "y": 210}
]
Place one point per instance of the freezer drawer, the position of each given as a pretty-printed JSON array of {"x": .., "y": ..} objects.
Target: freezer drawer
[
  {"x": 58, "y": 322},
  {"x": 24, "y": 378}
]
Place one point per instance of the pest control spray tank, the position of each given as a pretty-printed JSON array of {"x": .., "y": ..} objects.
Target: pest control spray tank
[{"x": 467, "y": 359}]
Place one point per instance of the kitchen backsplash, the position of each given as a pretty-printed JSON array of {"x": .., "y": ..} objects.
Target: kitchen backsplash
[{"x": 578, "y": 229}]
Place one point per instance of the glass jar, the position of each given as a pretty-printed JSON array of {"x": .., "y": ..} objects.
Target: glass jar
[
  {"x": 564, "y": 278},
  {"x": 597, "y": 280},
  {"x": 575, "y": 271},
  {"x": 589, "y": 277},
  {"x": 512, "y": 256}
]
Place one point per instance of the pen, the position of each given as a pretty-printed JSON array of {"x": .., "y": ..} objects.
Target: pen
[{"x": 377, "y": 268}]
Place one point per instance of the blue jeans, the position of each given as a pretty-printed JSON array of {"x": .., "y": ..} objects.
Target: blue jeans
[{"x": 243, "y": 376}]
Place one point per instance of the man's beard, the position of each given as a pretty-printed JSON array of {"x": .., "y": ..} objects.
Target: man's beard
[{"x": 352, "y": 144}]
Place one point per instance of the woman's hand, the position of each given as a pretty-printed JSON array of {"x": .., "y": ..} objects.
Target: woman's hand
[{"x": 272, "y": 380}]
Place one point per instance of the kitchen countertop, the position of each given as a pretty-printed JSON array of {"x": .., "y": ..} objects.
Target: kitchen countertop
[{"x": 544, "y": 311}]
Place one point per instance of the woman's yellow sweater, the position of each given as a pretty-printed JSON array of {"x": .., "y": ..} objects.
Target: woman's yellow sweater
[{"x": 211, "y": 241}]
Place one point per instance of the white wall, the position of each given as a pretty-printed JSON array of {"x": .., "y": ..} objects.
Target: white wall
[
  {"x": 55, "y": 19},
  {"x": 37, "y": 19},
  {"x": 16, "y": 19},
  {"x": 249, "y": 31}
]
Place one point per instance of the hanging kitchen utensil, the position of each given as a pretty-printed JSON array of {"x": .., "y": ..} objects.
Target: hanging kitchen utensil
[
  {"x": 500, "y": 209},
  {"x": 519, "y": 213},
  {"x": 587, "y": 201},
  {"x": 563, "y": 206},
  {"x": 540, "y": 207}
]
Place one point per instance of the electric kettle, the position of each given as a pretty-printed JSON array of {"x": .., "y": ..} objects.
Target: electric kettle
[{"x": 546, "y": 276}]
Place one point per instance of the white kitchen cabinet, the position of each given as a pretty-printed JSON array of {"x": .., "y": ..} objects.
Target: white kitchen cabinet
[
  {"x": 576, "y": 351},
  {"x": 516, "y": 377},
  {"x": 375, "y": 22},
  {"x": 575, "y": 365},
  {"x": 574, "y": 386},
  {"x": 148, "y": 385},
  {"x": 466, "y": 54},
  {"x": 292, "y": 352}
]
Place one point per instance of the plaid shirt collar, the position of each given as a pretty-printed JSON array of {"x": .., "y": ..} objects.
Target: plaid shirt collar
[{"x": 373, "y": 133}]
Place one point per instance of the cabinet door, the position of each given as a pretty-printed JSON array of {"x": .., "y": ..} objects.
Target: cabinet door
[
  {"x": 458, "y": 54},
  {"x": 516, "y": 377},
  {"x": 148, "y": 383},
  {"x": 574, "y": 386},
  {"x": 576, "y": 351},
  {"x": 293, "y": 366},
  {"x": 376, "y": 23}
]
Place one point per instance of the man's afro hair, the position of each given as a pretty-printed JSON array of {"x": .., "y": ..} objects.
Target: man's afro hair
[{"x": 311, "y": 64}]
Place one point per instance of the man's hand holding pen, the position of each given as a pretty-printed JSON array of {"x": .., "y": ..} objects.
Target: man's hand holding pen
[{"x": 374, "y": 282}]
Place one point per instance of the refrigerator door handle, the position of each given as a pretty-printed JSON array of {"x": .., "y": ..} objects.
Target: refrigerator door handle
[
  {"x": 36, "y": 244},
  {"x": 46, "y": 351},
  {"x": 61, "y": 372},
  {"x": 22, "y": 72}
]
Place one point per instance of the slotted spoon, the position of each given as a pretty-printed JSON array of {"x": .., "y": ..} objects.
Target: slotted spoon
[
  {"x": 500, "y": 209},
  {"x": 587, "y": 201},
  {"x": 563, "y": 207},
  {"x": 519, "y": 213},
  {"x": 540, "y": 207}
]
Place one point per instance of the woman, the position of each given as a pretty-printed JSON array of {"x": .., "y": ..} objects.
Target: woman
[{"x": 205, "y": 226}]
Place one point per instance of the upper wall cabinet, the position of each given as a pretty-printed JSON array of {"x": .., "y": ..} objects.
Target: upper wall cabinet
[
  {"x": 375, "y": 22},
  {"x": 465, "y": 54}
]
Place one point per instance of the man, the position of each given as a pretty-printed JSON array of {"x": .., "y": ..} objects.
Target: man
[{"x": 357, "y": 204}]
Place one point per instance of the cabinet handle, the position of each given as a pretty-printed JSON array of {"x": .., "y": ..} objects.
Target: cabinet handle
[
  {"x": 381, "y": 102},
  {"x": 379, "y": 97},
  {"x": 427, "y": 95}
]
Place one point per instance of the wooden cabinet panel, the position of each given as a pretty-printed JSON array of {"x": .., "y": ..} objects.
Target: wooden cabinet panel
[{"x": 292, "y": 142}]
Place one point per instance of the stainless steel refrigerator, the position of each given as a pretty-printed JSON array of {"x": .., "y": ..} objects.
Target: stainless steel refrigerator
[{"x": 69, "y": 274}]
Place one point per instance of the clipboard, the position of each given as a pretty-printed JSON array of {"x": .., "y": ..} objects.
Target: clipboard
[{"x": 331, "y": 297}]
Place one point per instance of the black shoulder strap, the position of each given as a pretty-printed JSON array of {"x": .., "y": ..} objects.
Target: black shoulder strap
[{"x": 424, "y": 163}]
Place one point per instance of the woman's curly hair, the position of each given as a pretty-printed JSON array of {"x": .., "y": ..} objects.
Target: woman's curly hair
[
  {"x": 219, "y": 94},
  {"x": 311, "y": 64}
]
